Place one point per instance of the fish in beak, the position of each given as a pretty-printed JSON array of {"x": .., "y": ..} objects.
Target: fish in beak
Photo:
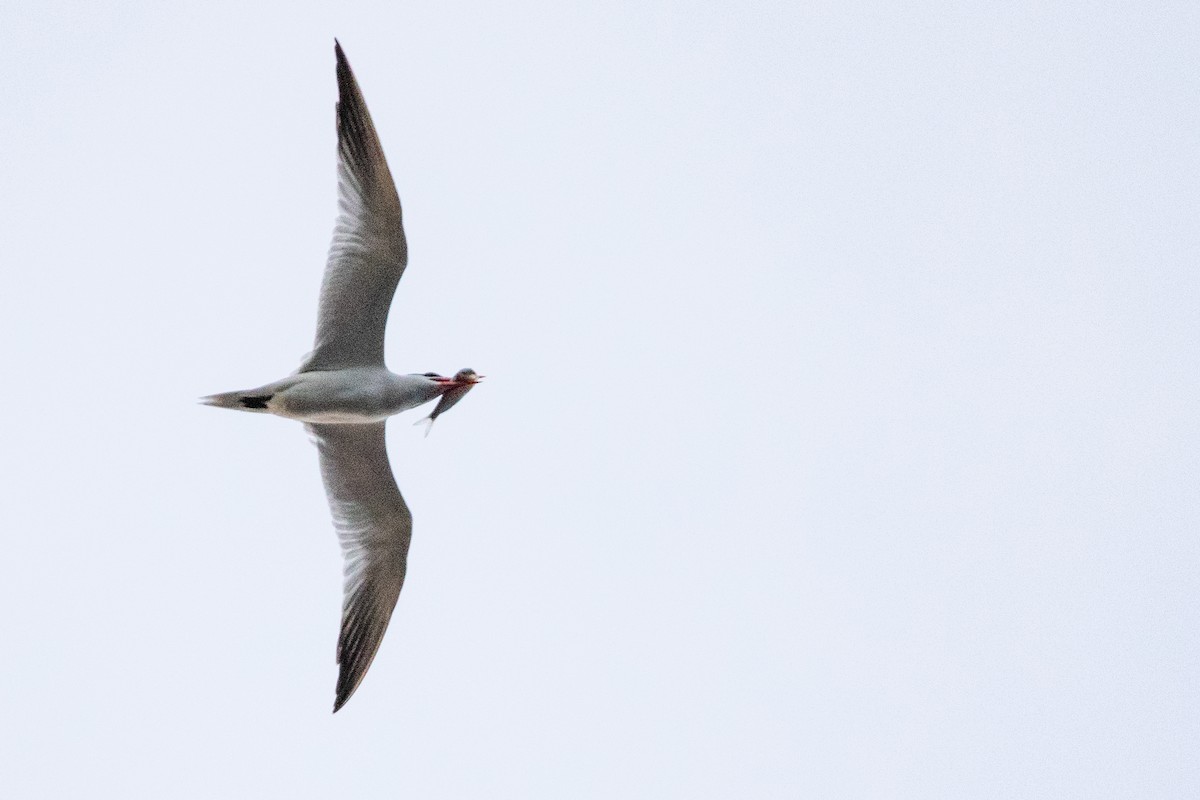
[{"x": 463, "y": 381}]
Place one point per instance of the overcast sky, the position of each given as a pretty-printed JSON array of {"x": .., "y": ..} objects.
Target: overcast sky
[{"x": 840, "y": 437}]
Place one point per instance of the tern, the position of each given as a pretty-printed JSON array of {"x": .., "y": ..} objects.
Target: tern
[{"x": 343, "y": 392}]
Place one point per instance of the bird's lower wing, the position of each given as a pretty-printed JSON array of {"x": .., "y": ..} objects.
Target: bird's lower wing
[{"x": 374, "y": 527}]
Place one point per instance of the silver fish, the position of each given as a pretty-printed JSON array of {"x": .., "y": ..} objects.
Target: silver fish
[{"x": 464, "y": 381}]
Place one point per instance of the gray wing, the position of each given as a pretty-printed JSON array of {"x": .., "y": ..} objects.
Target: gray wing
[
  {"x": 375, "y": 527},
  {"x": 368, "y": 253}
]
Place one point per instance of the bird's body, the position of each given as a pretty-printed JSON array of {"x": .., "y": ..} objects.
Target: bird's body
[
  {"x": 345, "y": 396},
  {"x": 343, "y": 392}
]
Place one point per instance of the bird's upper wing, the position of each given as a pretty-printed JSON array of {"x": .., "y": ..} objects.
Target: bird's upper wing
[
  {"x": 374, "y": 526},
  {"x": 368, "y": 253}
]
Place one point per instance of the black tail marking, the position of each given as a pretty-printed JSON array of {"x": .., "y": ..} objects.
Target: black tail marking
[{"x": 256, "y": 401}]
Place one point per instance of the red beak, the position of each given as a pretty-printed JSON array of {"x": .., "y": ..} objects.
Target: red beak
[{"x": 469, "y": 382}]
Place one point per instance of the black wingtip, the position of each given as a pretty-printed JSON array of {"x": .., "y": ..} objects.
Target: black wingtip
[
  {"x": 344, "y": 692},
  {"x": 343, "y": 63},
  {"x": 347, "y": 85}
]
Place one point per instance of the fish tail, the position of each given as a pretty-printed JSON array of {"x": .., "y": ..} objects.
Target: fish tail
[{"x": 428, "y": 424}]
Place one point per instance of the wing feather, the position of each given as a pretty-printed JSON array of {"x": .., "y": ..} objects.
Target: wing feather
[
  {"x": 369, "y": 252},
  {"x": 374, "y": 527}
]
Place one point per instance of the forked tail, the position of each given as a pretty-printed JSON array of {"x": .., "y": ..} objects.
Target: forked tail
[{"x": 239, "y": 401}]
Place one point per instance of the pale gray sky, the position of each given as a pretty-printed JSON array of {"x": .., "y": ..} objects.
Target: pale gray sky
[{"x": 839, "y": 440}]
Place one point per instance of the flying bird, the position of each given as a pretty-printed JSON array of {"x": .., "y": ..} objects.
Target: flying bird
[{"x": 343, "y": 392}]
